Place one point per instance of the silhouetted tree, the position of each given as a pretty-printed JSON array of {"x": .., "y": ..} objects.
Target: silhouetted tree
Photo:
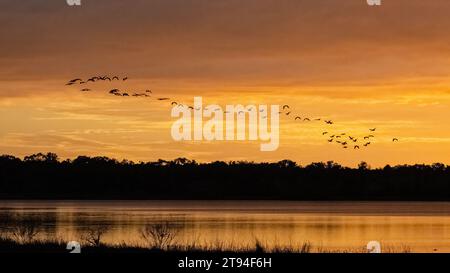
[{"x": 43, "y": 176}]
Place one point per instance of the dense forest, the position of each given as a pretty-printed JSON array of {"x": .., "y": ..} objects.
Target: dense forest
[{"x": 44, "y": 176}]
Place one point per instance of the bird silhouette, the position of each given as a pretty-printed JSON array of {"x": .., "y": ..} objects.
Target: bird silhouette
[
  {"x": 306, "y": 119},
  {"x": 115, "y": 78},
  {"x": 324, "y": 133},
  {"x": 330, "y": 140},
  {"x": 367, "y": 144},
  {"x": 298, "y": 118},
  {"x": 285, "y": 107},
  {"x": 75, "y": 80},
  {"x": 394, "y": 139},
  {"x": 124, "y": 79},
  {"x": 373, "y": 129},
  {"x": 85, "y": 90},
  {"x": 163, "y": 98},
  {"x": 288, "y": 113},
  {"x": 356, "y": 147},
  {"x": 328, "y": 122}
]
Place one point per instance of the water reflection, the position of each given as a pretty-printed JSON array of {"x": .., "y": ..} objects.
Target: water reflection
[{"x": 422, "y": 227}]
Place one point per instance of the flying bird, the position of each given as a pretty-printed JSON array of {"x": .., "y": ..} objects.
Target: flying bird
[
  {"x": 324, "y": 133},
  {"x": 124, "y": 79},
  {"x": 163, "y": 98},
  {"x": 297, "y": 117},
  {"x": 373, "y": 129},
  {"x": 285, "y": 107},
  {"x": 85, "y": 90},
  {"x": 356, "y": 147},
  {"x": 74, "y": 81},
  {"x": 394, "y": 139}
]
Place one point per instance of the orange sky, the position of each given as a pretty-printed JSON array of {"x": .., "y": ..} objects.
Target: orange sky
[{"x": 386, "y": 67}]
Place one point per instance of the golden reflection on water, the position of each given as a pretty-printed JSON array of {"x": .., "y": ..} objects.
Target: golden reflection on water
[{"x": 420, "y": 227}]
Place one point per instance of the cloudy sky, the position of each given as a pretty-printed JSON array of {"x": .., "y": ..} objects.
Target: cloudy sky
[{"x": 386, "y": 67}]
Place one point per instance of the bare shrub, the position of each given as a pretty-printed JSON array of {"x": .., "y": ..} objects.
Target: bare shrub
[
  {"x": 93, "y": 235},
  {"x": 159, "y": 235},
  {"x": 24, "y": 231}
]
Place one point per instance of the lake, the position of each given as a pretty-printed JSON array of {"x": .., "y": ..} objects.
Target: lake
[{"x": 417, "y": 226}]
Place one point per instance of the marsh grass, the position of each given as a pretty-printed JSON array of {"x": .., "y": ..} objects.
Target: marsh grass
[
  {"x": 22, "y": 236},
  {"x": 59, "y": 246}
]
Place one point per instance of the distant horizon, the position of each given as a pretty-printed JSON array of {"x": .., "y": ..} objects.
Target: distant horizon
[{"x": 190, "y": 161}]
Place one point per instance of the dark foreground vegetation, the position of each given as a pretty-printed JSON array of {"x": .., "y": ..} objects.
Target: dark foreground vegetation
[
  {"x": 18, "y": 234},
  {"x": 43, "y": 176}
]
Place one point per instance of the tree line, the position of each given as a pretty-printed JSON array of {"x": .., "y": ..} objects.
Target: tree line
[{"x": 44, "y": 176}]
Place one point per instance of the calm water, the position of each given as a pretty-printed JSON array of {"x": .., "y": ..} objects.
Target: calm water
[{"x": 422, "y": 227}]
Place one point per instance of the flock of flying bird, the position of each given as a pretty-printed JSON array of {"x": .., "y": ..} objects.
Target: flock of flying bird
[
  {"x": 343, "y": 139},
  {"x": 115, "y": 91}
]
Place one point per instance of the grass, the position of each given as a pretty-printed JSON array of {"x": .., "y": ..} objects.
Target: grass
[
  {"x": 8, "y": 245},
  {"x": 160, "y": 237}
]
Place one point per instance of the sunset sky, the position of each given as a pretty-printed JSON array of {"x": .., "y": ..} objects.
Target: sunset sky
[{"x": 362, "y": 67}]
